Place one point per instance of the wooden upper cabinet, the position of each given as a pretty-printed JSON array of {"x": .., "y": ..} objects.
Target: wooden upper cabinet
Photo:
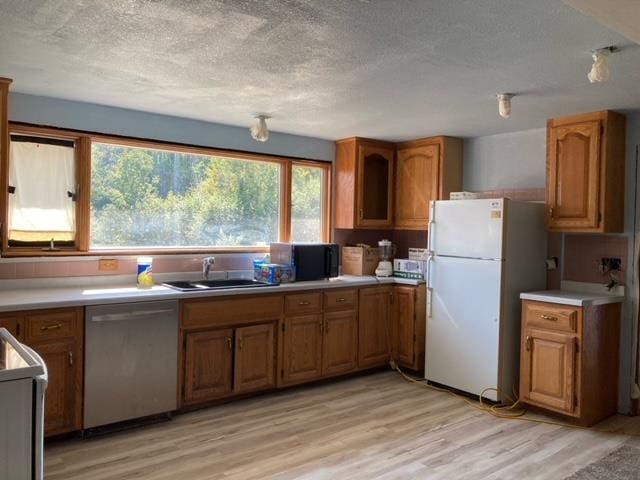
[
  {"x": 427, "y": 169},
  {"x": 364, "y": 183},
  {"x": 254, "y": 358},
  {"x": 585, "y": 173},
  {"x": 208, "y": 365}
]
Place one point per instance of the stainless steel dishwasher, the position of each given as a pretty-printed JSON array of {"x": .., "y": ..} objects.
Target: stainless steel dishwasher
[{"x": 131, "y": 361}]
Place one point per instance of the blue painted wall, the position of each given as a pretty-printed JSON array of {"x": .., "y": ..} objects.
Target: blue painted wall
[
  {"x": 119, "y": 121},
  {"x": 506, "y": 160}
]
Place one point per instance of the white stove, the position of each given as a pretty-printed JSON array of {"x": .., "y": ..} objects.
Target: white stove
[{"x": 23, "y": 381}]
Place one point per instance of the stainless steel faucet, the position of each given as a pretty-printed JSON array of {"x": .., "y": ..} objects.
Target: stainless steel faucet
[{"x": 207, "y": 263}]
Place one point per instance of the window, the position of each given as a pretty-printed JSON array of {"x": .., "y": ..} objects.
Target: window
[
  {"x": 142, "y": 197},
  {"x": 98, "y": 194},
  {"x": 307, "y": 203}
]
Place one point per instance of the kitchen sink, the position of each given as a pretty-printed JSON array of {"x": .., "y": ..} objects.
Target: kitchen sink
[{"x": 199, "y": 285}]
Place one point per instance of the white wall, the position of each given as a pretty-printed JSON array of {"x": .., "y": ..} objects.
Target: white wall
[
  {"x": 507, "y": 160},
  {"x": 119, "y": 121}
]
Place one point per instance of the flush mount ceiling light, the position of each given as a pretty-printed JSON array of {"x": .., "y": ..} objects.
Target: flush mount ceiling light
[
  {"x": 259, "y": 131},
  {"x": 504, "y": 104},
  {"x": 600, "y": 69}
]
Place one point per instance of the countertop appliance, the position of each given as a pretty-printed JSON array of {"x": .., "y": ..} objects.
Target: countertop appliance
[
  {"x": 23, "y": 381},
  {"x": 483, "y": 254},
  {"x": 387, "y": 252},
  {"x": 131, "y": 361},
  {"x": 313, "y": 261}
]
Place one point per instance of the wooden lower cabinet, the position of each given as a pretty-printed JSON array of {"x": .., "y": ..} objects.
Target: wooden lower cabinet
[
  {"x": 550, "y": 364},
  {"x": 374, "y": 326},
  {"x": 569, "y": 359},
  {"x": 208, "y": 365},
  {"x": 409, "y": 321},
  {"x": 254, "y": 358},
  {"x": 12, "y": 324},
  {"x": 57, "y": 335},
  {"x": 302, "y": 347},
  {"x": 63, "y": 398},
  {"x": 340, "y": 342}
]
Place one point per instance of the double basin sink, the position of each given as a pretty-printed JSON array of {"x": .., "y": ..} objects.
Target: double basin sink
[{"x": 200, "y": 285}]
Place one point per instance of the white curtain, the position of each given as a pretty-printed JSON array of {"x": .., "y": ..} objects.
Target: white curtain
[{"x": 40, "y": 208}]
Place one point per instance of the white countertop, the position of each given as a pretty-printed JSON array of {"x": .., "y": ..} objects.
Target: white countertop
[
  {"x": 578, "y": 299},
  {"x": 36, "y": 298}
]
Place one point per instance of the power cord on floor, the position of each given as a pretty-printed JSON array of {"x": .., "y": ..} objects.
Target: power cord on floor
[{"x": 513, "y": 411}]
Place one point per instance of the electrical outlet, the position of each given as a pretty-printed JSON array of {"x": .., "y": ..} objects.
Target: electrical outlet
[
  {"x": 609, "y": 264},
  {"x": 107, "y": 265}
]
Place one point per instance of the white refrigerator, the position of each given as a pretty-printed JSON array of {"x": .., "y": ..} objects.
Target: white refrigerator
[{"x": 483, "y": 254}]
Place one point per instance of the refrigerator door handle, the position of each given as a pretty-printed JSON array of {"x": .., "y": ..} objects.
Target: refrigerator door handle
[
  {"x": 429, "y": 285},
  {"x": 432, "y": 222}
]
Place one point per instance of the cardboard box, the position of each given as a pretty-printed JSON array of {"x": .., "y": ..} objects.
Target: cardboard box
[
  {"x": 360, "y": 260},
  {"x": 405, "y": 268},
  {"x": 418, "y": 254}
]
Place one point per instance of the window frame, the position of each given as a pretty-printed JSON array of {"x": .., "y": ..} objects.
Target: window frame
[{"x": 84, "y": 141}]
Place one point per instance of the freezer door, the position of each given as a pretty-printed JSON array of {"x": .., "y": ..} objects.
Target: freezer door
[
  {"x": 467, "y": 228},
  {"x": 463, "y": 324}
]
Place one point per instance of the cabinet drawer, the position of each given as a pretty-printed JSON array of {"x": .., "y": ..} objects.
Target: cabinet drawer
[
  {"x": 226, "y": 311},
  {"x": 340, "y": 300},
  {"x": 303, "y": 303},
  {"x": 51, "y": 325},
  {"x": 551, "y": 316}
]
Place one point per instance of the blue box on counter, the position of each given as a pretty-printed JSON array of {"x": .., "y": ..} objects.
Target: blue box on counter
[{"x": 273, "y": 273}]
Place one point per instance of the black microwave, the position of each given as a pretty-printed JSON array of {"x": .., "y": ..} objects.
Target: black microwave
[{"x": 313, "y": 261}]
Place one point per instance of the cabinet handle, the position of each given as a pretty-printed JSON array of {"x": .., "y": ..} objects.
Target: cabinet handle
[
  {"x": 304, "y": 303},
  {"x": 240, "y": 343},
  {"x": 321, "y": 324},
  {"x": 326, "y": 326},
  {"x": 55, "y": 326},
  {"x": 339, "y": 300},
  {"x": 528, "y": 343},
  {"x": 361, "y": 214},
  {"x": 229, "y": 343},
  {"x": 549, "y": 317},
  {"x": 71, "y": 359},
  {"x": 551, "y": 212}
]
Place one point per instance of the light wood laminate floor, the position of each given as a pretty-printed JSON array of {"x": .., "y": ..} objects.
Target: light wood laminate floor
[{"x": 376, "y": 426}]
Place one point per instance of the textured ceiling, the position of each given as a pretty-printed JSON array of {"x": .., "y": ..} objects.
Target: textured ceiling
[{"x": 390, "y": 69}]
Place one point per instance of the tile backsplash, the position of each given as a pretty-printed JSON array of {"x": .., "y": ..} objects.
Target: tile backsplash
[
  {"x": 11, "y": 269},
  {"x": 582, "y": 255}
]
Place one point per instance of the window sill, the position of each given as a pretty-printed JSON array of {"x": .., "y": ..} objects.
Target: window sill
[{"x": 25, "y": 252}]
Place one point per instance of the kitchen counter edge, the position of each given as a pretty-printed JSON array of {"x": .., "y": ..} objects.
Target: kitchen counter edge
[
  {"x": 43, "y": 298},
  {"x": 577, "y": 299}
]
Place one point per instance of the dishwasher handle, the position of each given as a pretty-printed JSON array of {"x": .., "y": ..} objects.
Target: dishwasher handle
[{"x": 119, "y": 317}]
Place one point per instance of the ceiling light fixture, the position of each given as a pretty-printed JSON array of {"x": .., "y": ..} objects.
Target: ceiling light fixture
[
  {"x": 504, "y": 104},
  {"x": 260, "y": 132},
  {"x": 600, "y": 69}
]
